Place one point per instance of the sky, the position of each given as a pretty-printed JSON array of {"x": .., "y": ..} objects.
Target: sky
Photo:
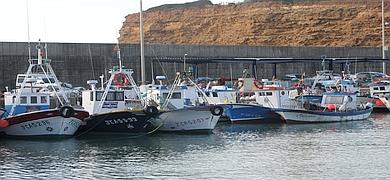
[{"x": 77, "y": 21}]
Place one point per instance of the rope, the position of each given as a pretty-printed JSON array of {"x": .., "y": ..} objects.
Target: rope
[{"x": 159, "y": 62}]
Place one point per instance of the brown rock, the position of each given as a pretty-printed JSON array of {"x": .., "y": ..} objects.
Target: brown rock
[{"x": 302, "y": 23}]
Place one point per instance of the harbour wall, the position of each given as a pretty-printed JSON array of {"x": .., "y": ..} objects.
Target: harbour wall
[{"x": 76, "y": 63}]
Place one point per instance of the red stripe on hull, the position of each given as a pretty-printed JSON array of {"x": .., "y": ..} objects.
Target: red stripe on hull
[{"x": 31, "y": 116}]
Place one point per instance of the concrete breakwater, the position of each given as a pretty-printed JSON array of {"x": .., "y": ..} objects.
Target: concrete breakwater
[{"x": 76, "y": 63}]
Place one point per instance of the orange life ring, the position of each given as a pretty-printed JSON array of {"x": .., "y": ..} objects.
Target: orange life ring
[{"x": 120, "y": 80}]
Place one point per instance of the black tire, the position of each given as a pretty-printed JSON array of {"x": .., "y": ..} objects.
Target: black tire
[
  {"x": 66, "y": 111},
  {"x": 151, "y": 110},
  {"x": 216, "y": 110}
]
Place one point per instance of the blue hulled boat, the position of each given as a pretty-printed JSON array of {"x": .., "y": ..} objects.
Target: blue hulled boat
[{"x": 251, "y": 113}]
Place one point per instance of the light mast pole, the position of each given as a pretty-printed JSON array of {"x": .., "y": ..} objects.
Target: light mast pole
[
  {"x": 141, "y": 34},
  {"x": 383, "y": 40}
]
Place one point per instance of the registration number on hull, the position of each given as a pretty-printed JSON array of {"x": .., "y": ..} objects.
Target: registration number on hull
[
  {"x": 35, "y": 124},
  {"x": 120, "y": 121}
]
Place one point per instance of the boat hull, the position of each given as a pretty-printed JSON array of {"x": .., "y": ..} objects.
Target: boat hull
[
  {"x": 188, "y": 119},
  {"x": 44, "y": 123},
  {"x": 307, "y": 116},
  {"x": 120, "y": 122},
  {"x": 248, "y": 113},
  {"x": 385, "y": 101}
]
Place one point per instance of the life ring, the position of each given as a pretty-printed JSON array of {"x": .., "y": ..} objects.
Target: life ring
[
  {"x": 152, "y": 110},
  {"x": 257, "y": 84},
  {"x": 120, "y": 80},
  {"x": 66, "y": 111},
  {"x": 216, "y": 110}
]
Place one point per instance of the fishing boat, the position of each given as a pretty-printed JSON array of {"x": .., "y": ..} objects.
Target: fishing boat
[
  {"x": 118, "y": 107},
  {"x": 251, "y": 113},
  {"x": 183, "y": 111},
  {"x": 248, "y": 108},
  {"x": 30, "y": 110},
  {"x": 335, "y": 107},
  {"x": 379, "y": 92}
]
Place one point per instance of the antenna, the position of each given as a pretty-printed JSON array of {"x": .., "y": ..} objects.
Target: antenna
[
  {"x": 152, "y": 69},
  {"x": 28, "y": 31}
]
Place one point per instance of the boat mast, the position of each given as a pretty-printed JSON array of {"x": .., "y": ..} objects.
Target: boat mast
[
  {"x": 384, "y": 48},
  {"x": 28, "y": 31},
  {"x": 141, "y": 34},
  {"x": 118, "y": 52}
]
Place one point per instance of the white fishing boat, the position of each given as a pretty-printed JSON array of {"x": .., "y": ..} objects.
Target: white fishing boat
[
  {"x": 29, "y": 111},
  {"x": 335, "y": 107},
  {"x": 118, "y": 107},
  {"x": 330, "y": 107},
  {"x": 379, "y": 91},
  {"x": 182, "y": 109}
]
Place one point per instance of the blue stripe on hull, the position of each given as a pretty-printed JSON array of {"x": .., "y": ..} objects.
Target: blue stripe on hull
[
  {"x": 245, "y": 113},
  {"x": 19, "y": 109}
]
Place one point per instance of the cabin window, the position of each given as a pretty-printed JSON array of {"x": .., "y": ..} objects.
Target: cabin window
[
  {"x": 269, "y": 93},
  {"x": 283, "y": 93},
  {"x": 334, "y": 100},
  {"x": 376, "y": 88},
  {"x": 110, "y": 96},
  {"x": 23, "y": 100},
  {"x": 207, "y": 93},
  {"x": 99, "y": 95},
  {"x": 261, "y": 94},
  {"x": 50, "y": 80},
  {"x": 215, "y": 94},
  {"x": 34, "y": 100},
  {"x": 119, "y": 96},
  {"x": 165, "y": 95},
  {"x": 20, "y": 79},
  {"x": 91, "y": 96},
  {"x": 382, "y": 88},
  {"x": 43, "y": 99},
  {"x": 176, "y": 95}
]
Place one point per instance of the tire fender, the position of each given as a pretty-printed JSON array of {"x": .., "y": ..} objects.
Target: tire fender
[
  {"x": 151, "y": 110},
  {"x": 216, "y": 110},
  {"x": 66, "y": 111}
]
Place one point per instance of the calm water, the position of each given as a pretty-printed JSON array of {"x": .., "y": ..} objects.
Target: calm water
[{"x": 352, "y": 150}]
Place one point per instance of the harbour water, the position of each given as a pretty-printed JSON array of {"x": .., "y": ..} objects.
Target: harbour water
[{"x": 348, "y": 150}]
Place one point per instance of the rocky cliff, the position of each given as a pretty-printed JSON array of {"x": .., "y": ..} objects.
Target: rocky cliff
[{"x": 279, "y": 23}]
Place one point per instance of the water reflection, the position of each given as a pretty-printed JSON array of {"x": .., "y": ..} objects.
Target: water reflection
[
  {"x": 347, "y": 150},
  {"x": 347, "y": 126}
]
